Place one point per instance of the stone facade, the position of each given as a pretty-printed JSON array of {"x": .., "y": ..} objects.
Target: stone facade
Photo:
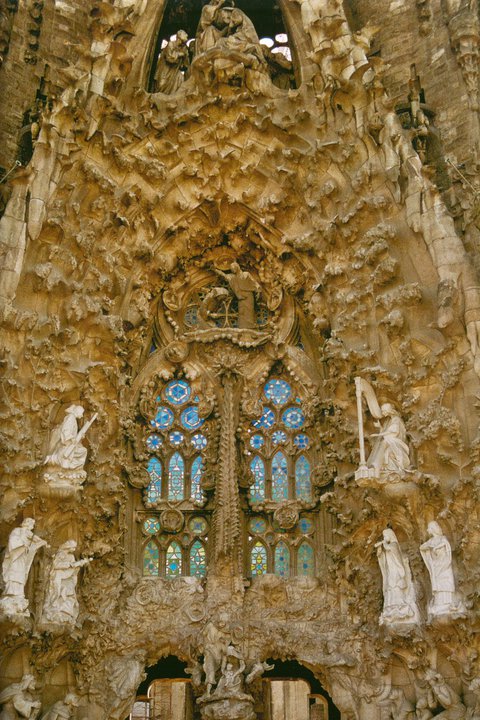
[{"x": 241, "y": 356}]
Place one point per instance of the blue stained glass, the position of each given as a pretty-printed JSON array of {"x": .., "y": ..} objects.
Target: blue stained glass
[
  {"x": 176, "y": 476},
  {"x": 257, "y": 525},
  {"x": 190, "y": 419},
  {"x": 174, "y": 560},
  {"x": 257, "y": 490},
  {"x": 279, "y": 437},
  {"x": 151, "y": 559},
  {"x": 199, "y": 441},
  {"x": 302, "y": 441},
  {"x": 154, "y": 442},
  {"x": 178, "y": 392},
  {"x": 154, "y": 489},
  {"x": 258, "y": 559},
  {"x": 196, "y": 477},
  {"x": 151, "y": 526},
  {"x": 278, "y": 391},
  {"x": 279, "y": 477},
  {"x": 176, "y": 438},
  {"x": 198, "y": 525},
  {"x": 257, "y": 441},
  {"x": 198, "y": 560},
  {"x": 303, "y": 485},
  {"x": 305, "y": 525},
  {"x": 282, "y": 560},
  {"x": 305, "y": 560},
  {"x": 293, "y": 417},
  {"x": 163, "y": 419},
  {"x": 267, "y": 419}
]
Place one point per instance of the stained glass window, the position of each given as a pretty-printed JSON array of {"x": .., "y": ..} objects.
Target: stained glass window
[
  {"x": 293, "y": 417},
  {"x": 154, "y": 442},
  {"x": 176, "y": 477},
  {"x": 151, "y": 559},
  {"x": 282, "y": 560},
  {"x": 199, "y": 441},
  {"x": 176, "y": 438},
  {"x": 278, "y": 391},
  {"x": 196, "y": 477},
  {"x": 303, "y": 486},
  {"x": 198, "y": 525},
  {"x": 178, "y": 392},
  {"x": 154, "y": 489},
  {"x": 190, "y": 419},
  {"x": 279, "y": 437},
  {"x": 257, "y": 441},
  {"x": 267, "y": 419},
  {"x": 174, "y": 560},
  {"x": 151, "y": 526},
  {"x": 302, "y": 441},
  {"x": 163, "y": 419},
  {"x": 257, "y": 525},
  {"x": 258, "y": 561},
  {"x": 198, "y": 560},
  {"x": 279, "y": 477},
  {"x": 306, "y": 525},
  {"x": 305, "y": 560},
  {"x": 257, "y": 490}
]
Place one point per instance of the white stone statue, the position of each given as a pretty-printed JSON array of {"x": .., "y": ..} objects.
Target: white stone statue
[
  {"x": 437, "y": 556},
  {"x": 18, "y": 700},
  {"x": 61, "y": 604},
  {"x": 21, "y": 548},
  {"x": 399, "y": 601},
  {"x": 66, "y": 455},
  {"x": 63, "y": 709},
  {"x": 390, "y": 453}
]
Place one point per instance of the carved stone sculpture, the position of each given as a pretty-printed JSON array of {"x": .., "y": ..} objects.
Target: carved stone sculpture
[
  {"x": 63, "y": 709},
  {"x": 390, "y": 455},
  {"x": 244, "y": 287},
  {"x": 18, "y": 700},
  {"x": 440, "y": 693},
  {"x": 437, "y": 556},
  {"x": 173, "y": 60},
  {"x": 19, "y": 555},
  {"x": 399, "y": 602},
  {"x": 61, "y": 604},
  {"x": 66, "y": 455},
  {"x": 229, "y": 699}
]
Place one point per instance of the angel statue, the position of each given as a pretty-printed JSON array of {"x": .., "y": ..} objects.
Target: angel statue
[
  {"x": 19, "y": 700},
  {"x": 390, "y": 454},
  {"x": 66, "y": 455}
]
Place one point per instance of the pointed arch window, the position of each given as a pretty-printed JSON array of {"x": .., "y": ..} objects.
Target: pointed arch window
[
  {"x": 198, "y": 559},
  {"x": 176, "y": 477},
  {"x": 282, "y": 560},
  {"x": 258, "y": 559},
  {"x": 174, "y": 560},
  {"x": 305, "y": 560},
  {"x": 151, "y": 559},
  {"x": 279, "y": 477}
]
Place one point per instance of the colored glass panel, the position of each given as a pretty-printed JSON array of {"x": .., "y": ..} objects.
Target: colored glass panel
[
  {"x": 305, "y": 560},
  {"x": 303, "y": 485},
  {"x": 257, "y": 526},
  {"x": 257, "y": 441},
  {"x": 151, "y": 559},
  {"x": 151, "y": 526},
  {"x": 258, "y": 559},
  {"x": 191, "y": 316},
  {"x": 293, "y": 418},
  {"x": 199, "y": 441},
  {"x": 278, "y": 391},
  {"x": 178, "y": 392},
  {"x": 282, "y": 560},
  {"x": 198, "y": 525},
  {"x": 196, "y": 478},
  {"x": 176, "y": 477},
  {"x": 154, "y": 442},
  {"x": 176, "y": 438},
  {"x": 163, "y": 419},
  {"x": 279, "y": 437},
  {"x": 198, "y": 559},
  {"x": 266, "y": 420},
  {"x": 306, "y": 525},
  {"x": 279, "y": 477},
  {"x": 174, "y": 560},
  {"x": 257, "y": 490},
  {"x": 190, "y": 419},
  {"x": 302, "y": 441},
  {"x": 154, "y": 489}
]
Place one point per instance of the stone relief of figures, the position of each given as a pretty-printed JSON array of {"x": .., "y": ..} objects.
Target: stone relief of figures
[
  {"x": 390, "y": 454},
  {"x": 19, "y": 700},
  {"x": 172, "y": 63},
  {"x": 61, "y": 604},
  {"x": 229, "y": 694},
  {"x": 22, "y": 546},
  {"x": 66, "y": 455},
  {"x": 437, "y": 556},
  {"x": 243, "y": 287},
  {"x": 399, "y": 601},
  {"x": 63, "y": 709},
  {"x": 438, "y": 692}
]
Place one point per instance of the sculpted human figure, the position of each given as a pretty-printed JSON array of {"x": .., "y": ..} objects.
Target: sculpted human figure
[
  {"x": 66, "y": 449},
  {"x": 61, "y": 604},
  {"x": 173, "y": 59},
  {"x": 18, "y": 700},
  {"x": 214, "y": 651},
  {"x": 437, "y": 556},
  {"x": 442, "y": 694},
  {"x": 243, "y": 286},
  {"x": 63, "y": 709},
  {"x": 399, "y": 602},
  {"x": 21, "y": 548}
]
